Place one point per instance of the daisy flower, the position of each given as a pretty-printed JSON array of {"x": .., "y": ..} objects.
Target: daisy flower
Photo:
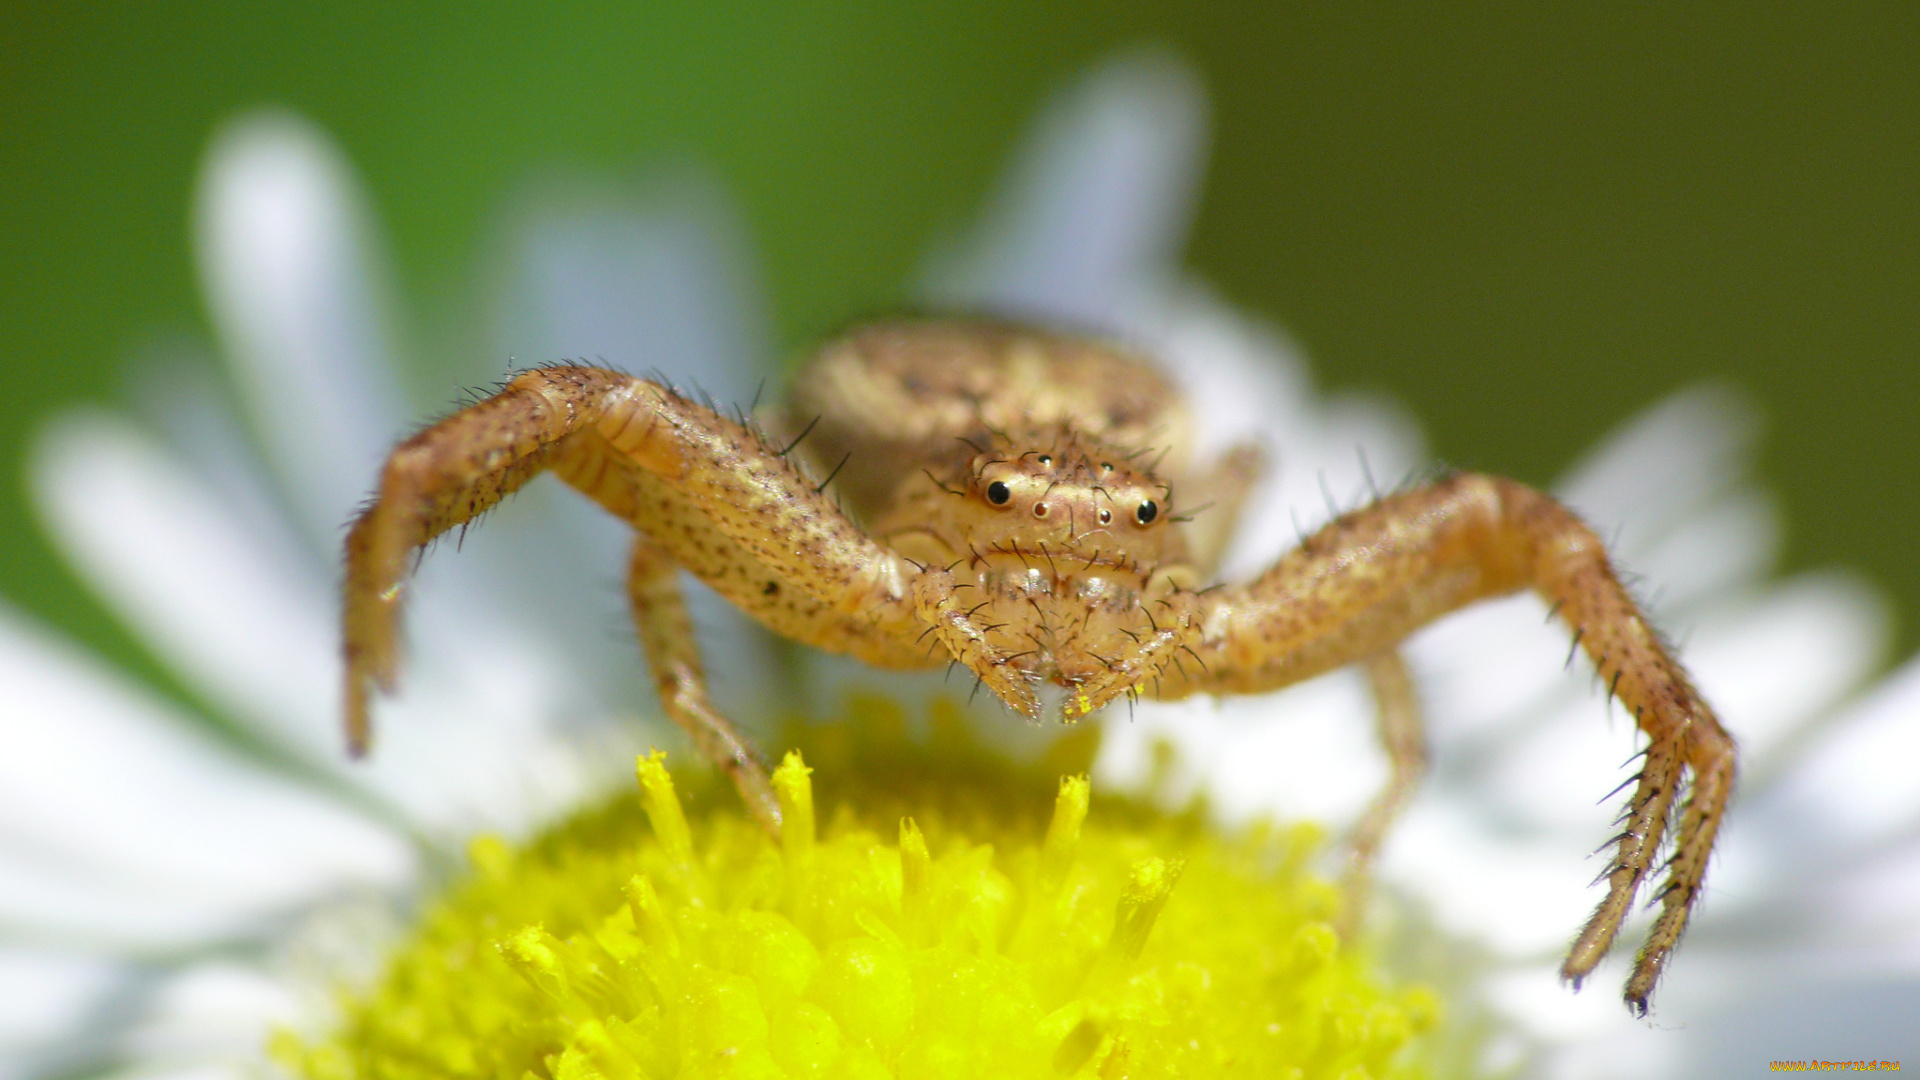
[{"x": 174, "y": 887}]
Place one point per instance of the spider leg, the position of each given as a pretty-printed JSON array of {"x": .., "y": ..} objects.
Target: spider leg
[
  {"x": 442, "y": 478},
  {"x": 704, "y": 489},
  {"x": 1397, "y": 719},
  {"x": 1371, "y": 577},
  {"x": 666, "y": 634}
]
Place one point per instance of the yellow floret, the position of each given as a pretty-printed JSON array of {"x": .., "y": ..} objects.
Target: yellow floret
[{"x": 965, "y": 940}]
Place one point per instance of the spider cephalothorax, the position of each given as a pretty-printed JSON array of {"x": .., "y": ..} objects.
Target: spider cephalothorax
[
  {"x": 1014, "y": 524},
  {"x": 1062, "y": 540}
]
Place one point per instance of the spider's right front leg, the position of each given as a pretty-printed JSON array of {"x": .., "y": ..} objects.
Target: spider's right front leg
[
  {"x": 440, "y": 479},
  {"x": 704, "y": 491}
]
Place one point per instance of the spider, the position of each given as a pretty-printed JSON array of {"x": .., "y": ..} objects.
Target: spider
[{"x": 1013, "y": 524}]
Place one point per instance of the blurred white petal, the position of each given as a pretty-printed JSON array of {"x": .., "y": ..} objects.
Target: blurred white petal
[
  {"x": 240, "y": 1069},
  {"x": 1877, "y": 905},
  {"x": 1239, "y": 375},
  {"x": 1804, "y": 1016},
  {"x": 246, "y": 622},
  {"x": 1858, "y": 781},
  {"x": 289, "y": 271},
  {"x": 147, "y": 821},
  {"x": 129, "y": 912},
  {"x": 1090, "y": 220},
  {"x": 1730, "y": 542},
  {"x": 253, "y": 627},
  {"x": 1533, "y": 996},
  {"x": 1295, "y": 754},
  {"x": 1520, "y": 896},
  {"x": 212, "y": 1011},
  {"x": 658, "y": 280},
  {"x": 1654, "y": 471},
  {"x": 1772, "y": 663},
  {"x": 45, "y": 997}
]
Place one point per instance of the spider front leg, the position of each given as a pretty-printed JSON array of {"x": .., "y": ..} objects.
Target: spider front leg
[
  {"x": 704, "y": 491},
  {"x": 440, "y": 479},
  {"x": 1371, "y": 577}
]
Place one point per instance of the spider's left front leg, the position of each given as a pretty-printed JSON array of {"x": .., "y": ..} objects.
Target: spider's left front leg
[{"x": 1368, "y": 579}]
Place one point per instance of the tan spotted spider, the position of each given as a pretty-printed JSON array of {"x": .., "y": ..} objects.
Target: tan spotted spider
[{"x": 999, "y": 513}]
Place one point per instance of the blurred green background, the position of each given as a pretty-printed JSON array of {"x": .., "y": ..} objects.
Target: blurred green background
[{"x": 1524, "y": 222}]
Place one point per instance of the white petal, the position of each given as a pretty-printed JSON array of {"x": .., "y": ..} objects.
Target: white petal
[
  {"x": 1660, "y": 466},
  {"x": 1787, "y": 1013},
  {"x": 195, "y": 1070},
  {"x": 1520, "y": 896},
  {"x": 1553, "y": 777},
  {"x": 1858, "y": 781},
  {"x": 45, "y": 998},
  {"x": 467, "y": 743},
  {"x": 1877, "y": 905},
  {"x": 128, "y": 910},
  {"x": 1095, "y": 210},
  {"x": 663, "y": 282},
  {"x": 215, "y": 1011},
  {"x": 1730, "y": 542},
  {"x": 1242, "y": 378},
  {"x": 1534, "y": 997},
  {"x": 247, "y": 622},
  {"x": 1772, "y": 665},
  {"x": 1493, "y": 669},
  {"x": 1303, "y": 753},
  {"x": 286, "y": 262},
  {"x": 146, "y": 825}
]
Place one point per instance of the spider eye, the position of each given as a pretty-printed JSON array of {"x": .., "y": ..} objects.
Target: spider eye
[
  {"x": 1146, "y": 513},
  {"x": 997, "y": 493},
  {"x": 1106, "y": 516}
]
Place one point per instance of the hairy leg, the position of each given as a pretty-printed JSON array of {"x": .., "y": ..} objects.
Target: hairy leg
[
  {"x": 690, "y": 538},
  {"x": 440, "y": 479},
  {"x": 1371, "y": 577},
  {"x": 1397, "y": 719},
  {"x": 666, "y": 634},
  {"x": 598, "y": 429}
]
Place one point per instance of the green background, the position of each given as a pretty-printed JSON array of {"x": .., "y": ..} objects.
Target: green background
[{"x": 1524, "y": 222}]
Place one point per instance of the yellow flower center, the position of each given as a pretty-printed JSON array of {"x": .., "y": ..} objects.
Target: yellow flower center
[{"x": 961, "y": 941}]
